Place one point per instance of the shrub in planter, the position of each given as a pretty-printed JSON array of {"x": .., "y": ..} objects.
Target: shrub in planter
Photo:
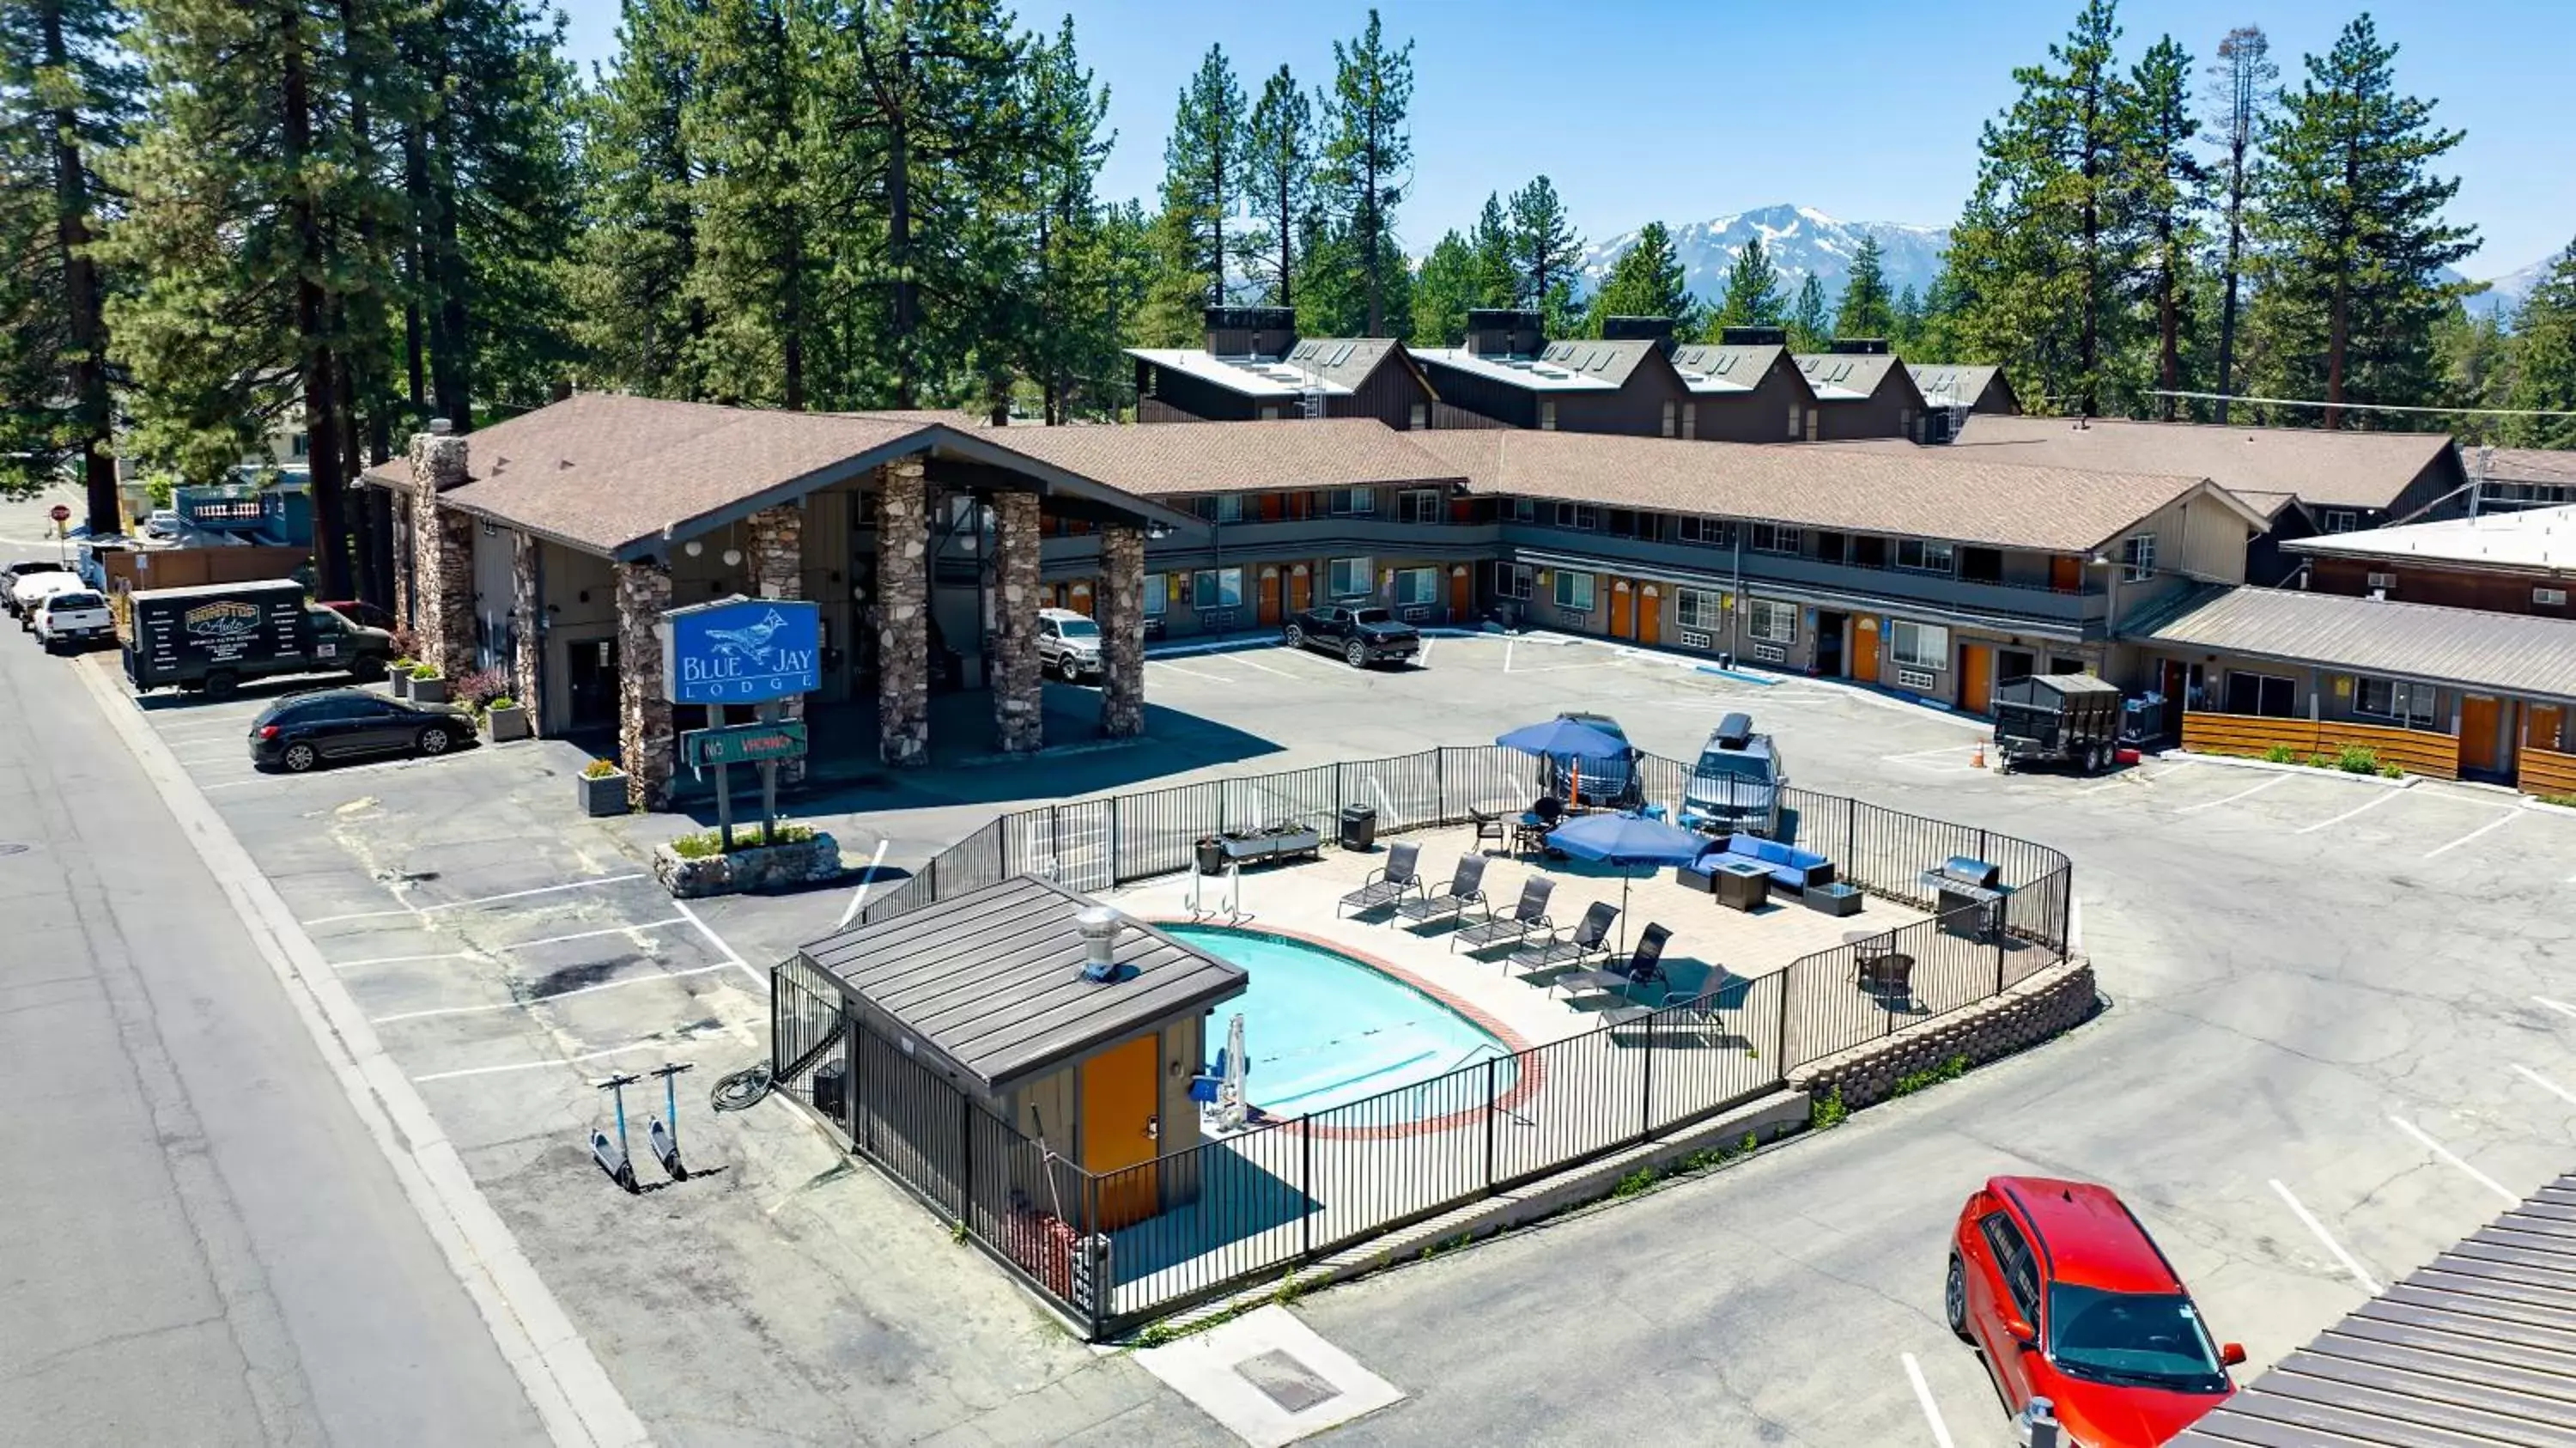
[
  {"x": 398, "y": 674},
  {"x": 428, "y": 685},
  {"x": 478, "y": 689},
  {"x": 603, "y": 789},
  {"x": 507, "y": 720}
]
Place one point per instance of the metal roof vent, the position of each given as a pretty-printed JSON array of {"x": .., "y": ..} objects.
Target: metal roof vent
[{"x": 1099, "y": 926}]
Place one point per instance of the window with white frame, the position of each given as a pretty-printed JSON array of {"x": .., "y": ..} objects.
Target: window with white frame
[
  {"x": 1771, "y": 620},
  {"x": 1690, "y": 420},
  {"x": 1547, "y": 414},
  {"x": 1573, "y": 591},
  {"x": 1349, "y": 502},
  {"x": 1793, "y": 421},
  {"x": 1512, "y": 580},
  {"x": 1672, "y": 418},
  {"x": 2416, "y": 706},
  {"x": 1707, "y": 532},
  {"x": 1924, "y": 556},
  {"x": 1578, "y": 515},
  {"x": 1158, "y": 594},
  {"x": 2338, "y": 520},
  {"x": 1419, "y": 417},
  {"x": 1774, "y": 538},
  {"x": 1419, "y": 505},
  {"x": 1524, "y": 510},
  {"x": 1415, "y": 587},
  {"x": 1216, "y": 588},
  {"x": 1349, "y": 578},
  {"x": 1219, "y": 508},
  {"x": 1918, "y": 645},
  {"x": 1699, "y": 608},
  {"x": 2138, "y": 558}
]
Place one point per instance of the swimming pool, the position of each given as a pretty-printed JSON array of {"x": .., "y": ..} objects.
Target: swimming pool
[{"x": 1324, "y": 1030}]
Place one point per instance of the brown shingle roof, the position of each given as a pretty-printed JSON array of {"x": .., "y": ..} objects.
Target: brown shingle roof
[
  {"x": 1924, "y": 492},
  {"x": 2344, "y": 469},
  {"x": 2527, "y": 464},
  {"x": 1217, "y": 457}
]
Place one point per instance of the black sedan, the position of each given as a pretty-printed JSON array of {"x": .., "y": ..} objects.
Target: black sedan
[{"x": 301, "y": 731}]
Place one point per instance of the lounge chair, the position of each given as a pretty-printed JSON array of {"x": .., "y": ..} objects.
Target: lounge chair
[
  {"x": 1385, "y": 886},
  {"x": 1530, "y": 914},
  {"x": 1688, "y": 1013},
  {"x": 1589, "y": 939},
  {"x": 1644, "y": 967},
  {"x": 1466, "y": 887}
]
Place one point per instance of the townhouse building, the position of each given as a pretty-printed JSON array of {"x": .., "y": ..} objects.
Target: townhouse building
[
  {"x": 2523, "y": 477},
  {"x": 1255, "y": 368},
  {"x": 1863, "y": 390}
]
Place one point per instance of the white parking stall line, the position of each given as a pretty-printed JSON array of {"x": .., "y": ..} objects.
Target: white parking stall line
[
  {"x": 409, "y": 959},
  {"x": 2374, "y": 802},
  {"x": 256, "y": 779},
  {"x": 595, "y": 934},
  {"x": 1508, "y": 646},
  {"x": 2316, "y": 1228},
  {"x": 1422, "y": 658},
  {"x": 2499, "y": 822},
  {"x": 591, "y": 883},
  {"x": 1190, "y": 673},
  {"x": 2273, "y": 783},
  {"x": 550, "y": 999},
  {"x": 2446, "y": 1154},
  {"x": 541, "y": 1065},
  {"x": 2562, "y": 1007},
  {"x": 718, "y": 941},
  {"x": 2545, "y": 1084},
  {"x": 1252, "y": 663},
  {"x": 859, "y": 896},
  {"x": 1923, "y": 1396}
]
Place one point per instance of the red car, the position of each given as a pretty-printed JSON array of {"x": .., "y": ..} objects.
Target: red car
[{"x": 2068, "y": 1299}]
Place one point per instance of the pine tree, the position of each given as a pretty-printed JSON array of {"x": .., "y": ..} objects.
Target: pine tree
[
  {"x": 1867, "y": 310},
  {"x": 1545, "y": 250},
  {"x": 1811, "y": 325},
  {"x": 1202, "y": 169},
  {"x": 1752, "y": 294},
  {"x": 1907, "y": 333},
  {"x": 1443, "y": 291},
  {"x": 2352, "y": 231},
  {"x": 762, "y": 253},
  {"x": 635, "y": 317},
  {"x": 2543, "y": 373},
  {"x": 1490, "y": 241},
  {"x": 2165, "y": 193},
  {"x": 1646, "y": 281},
  {"x": 2245, "y": 88},
  {"x": 1070, "y": 343},
  {"x": 67, "y": 94},
  {"x": 1279, "y": 178},
  {"x": 1367, "y": 149}
]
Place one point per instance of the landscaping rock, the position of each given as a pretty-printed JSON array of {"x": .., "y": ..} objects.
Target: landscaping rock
[{"x": 769, "y": 867}]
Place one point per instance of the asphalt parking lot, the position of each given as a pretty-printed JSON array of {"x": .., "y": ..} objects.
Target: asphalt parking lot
[{"x": 2340, "y": 1034}]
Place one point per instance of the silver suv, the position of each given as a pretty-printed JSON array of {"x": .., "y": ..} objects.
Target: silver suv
[{"x": 1068, "y": 645}]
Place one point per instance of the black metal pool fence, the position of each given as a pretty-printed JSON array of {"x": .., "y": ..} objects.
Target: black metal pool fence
[{"x": 1116, "y": 1249}]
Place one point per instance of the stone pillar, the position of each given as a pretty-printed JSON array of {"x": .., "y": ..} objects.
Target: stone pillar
[
  {"x": 527, "y": 627},
  {"x": 1019, "y": 679},
  {"x": 778, "y": 571},
  {"x": 442, "y": 546},
  {"x": 903, "y": 613},
  {"x": 646, "y": 747},
  {"x": 402, "y": 541},
  {"x": 1122, "y": 631}
]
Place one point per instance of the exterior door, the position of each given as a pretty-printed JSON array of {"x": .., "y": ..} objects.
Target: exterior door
[
  {"x": 1270, "y": 596},
  {"x": 1976, "y": 677},
  {"x": 2066, "y": 573},
  {"x": 1462, "y": 594},
  {"x": 1650, "y": 615},
  {"x": 2480, "y": 719},
  {"x": 592, "y": 682},
  {"x": 1623, "y": 610},
  {"x": 1080, "y": 595},
  {"x": 1829, "y": 643},
  {"x": 1118, "y": 1128},
  {"x": 2540, "y": 726},
  {"x": 1864, "y": 661},
  {"x": 1301, "y": 590}
]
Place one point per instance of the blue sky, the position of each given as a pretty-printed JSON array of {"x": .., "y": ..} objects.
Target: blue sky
[{"x": 1866, "y": 109}]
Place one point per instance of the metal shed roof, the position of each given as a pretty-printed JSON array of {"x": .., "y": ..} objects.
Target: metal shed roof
[
  {"x": 993, "y": 981},
  {"x": 2512, "y": 652},
  {"x": 2477, "y": 1348}
]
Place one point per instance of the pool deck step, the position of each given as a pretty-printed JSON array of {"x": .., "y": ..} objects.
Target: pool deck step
[{"x": 1768, "y": 1118}]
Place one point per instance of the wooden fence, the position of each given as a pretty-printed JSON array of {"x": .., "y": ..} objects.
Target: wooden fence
[
  {"x": 2417, "y": 751},
  {"x": 2545, "y": 771}
]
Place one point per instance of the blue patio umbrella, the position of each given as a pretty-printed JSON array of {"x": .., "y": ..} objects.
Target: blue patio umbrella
[
  {"x": 1626, "y": 840},
  {"x": 1567, "y": 742}
]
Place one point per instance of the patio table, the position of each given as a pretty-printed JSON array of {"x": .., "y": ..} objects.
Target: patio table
[{"x": 1878, "y": 967}]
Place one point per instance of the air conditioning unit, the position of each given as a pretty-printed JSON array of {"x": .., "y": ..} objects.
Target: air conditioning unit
[
  {"x": 1770, "y": 654},
  {"x": 1418, "y": 613},
  {"x": 1914, "y": 679},
  {"x": 2549, "y": 597},
  {"x": 1694, "y": 639},
  {"x": 2383, "y": 581}
]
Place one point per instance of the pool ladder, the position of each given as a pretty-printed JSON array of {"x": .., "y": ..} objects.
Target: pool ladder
[{"x": 1228, "y": 905}]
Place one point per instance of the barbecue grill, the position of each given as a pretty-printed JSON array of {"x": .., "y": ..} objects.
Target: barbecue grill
[{"x": 1971, "y": 896}]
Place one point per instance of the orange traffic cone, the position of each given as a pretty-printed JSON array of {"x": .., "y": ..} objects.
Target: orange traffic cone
[{"x": 1980, "y": 760}]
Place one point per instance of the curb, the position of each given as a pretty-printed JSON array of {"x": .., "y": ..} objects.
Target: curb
[{"x": 2238, "y": 761}]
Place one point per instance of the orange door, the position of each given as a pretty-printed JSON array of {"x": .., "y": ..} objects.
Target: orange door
[
  {"x": 1270, "y": 596},
  {"x": 1864, "y": 649},
  {"x": 1081, "y": 599},
  {"x": 1301, "y": 591},
  {"x": 1462, "y": 594},
  {"x": 2540, "y": 726},
  {"x": 2478, "y": 724},
  {"x": 1118, "y": 1088},
  {"x": 1976, "y": 677},
  {"x": 1650, "y": 615},
  {"x": 1623, "y": 610},
  {"x": 2066, "y": 573}
]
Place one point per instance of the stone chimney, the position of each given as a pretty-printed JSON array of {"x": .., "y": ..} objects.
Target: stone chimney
[{"x": 441, "y": 563}]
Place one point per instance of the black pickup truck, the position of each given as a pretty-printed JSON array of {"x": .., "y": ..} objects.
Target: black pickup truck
[{"x": 1362, "y": 636}]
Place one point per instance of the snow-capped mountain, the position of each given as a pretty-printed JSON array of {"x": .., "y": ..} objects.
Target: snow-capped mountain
[
  {"x": 2506, "y": 292},
  {"x": 1800, "y": 239}
]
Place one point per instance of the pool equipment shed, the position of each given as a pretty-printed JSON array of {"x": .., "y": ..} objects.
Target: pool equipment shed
[{"x": 1024, "y": 1003}]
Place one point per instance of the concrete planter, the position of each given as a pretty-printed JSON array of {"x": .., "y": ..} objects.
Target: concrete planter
[
  {"x": 603, "y": 795},
  {"x": 774, "y": 867},
  {"x": 429, "y": 691},
  {"x": 508, "y": 722},
  {"x": 400, "y": 680}
]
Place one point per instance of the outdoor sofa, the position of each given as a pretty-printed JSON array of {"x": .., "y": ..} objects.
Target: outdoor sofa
[{"x": 1790, "y": 868}]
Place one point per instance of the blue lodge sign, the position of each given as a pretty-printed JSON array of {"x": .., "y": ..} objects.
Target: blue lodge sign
[{"x": 742, "y": 650}]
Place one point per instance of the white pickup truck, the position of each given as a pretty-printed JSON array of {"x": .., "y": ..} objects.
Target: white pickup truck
[{"x": 73, "y": 618}]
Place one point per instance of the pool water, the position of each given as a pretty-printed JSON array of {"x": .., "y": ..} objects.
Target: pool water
[{"x": 1324, "y": 1030}]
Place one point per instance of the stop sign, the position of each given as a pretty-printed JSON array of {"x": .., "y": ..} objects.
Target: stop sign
[{"x": 62, "y": 514}]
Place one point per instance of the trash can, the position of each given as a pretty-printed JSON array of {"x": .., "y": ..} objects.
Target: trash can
[
  {"x": 1359, "y": 827},
  {"x": 1211, "y": 853}
]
